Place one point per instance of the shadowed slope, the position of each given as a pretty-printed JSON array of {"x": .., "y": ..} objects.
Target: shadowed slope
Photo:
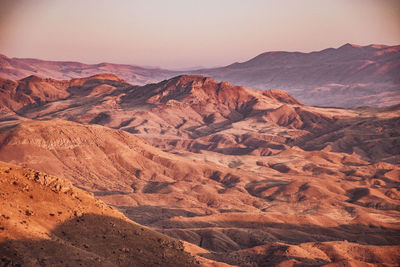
[
  {"x": 313, "y": 254},
  {"x": 46, "y": 221}
]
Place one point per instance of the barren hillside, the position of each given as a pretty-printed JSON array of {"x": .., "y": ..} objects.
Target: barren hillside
[{"x": 45, "y": 220}]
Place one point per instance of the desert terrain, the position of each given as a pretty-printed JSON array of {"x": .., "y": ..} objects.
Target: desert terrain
[{"x": 245, "y": 177}]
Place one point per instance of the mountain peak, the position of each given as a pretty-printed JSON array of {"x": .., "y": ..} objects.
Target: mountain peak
[
  {"x": 100, "y": 76},
  {"x": 281, "y": 96},
  {"x": 349, "y": 45},
  {"x": 105, "y": 76},
  {"x": 204, "y": 93},
  {"x": 188, "y": 78},
  {"x": 378, "y": 46},
  {"x": 32, "y": 78}
]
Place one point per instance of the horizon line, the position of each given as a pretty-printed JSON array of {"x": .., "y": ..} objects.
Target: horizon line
[{"x": 194, "y": 68}]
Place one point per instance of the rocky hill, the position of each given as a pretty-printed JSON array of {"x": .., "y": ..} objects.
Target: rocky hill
[{"x": 45, "y": 220}]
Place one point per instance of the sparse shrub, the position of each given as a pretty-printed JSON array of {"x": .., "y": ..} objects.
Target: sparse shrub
[{"x": 235, "y": 164}]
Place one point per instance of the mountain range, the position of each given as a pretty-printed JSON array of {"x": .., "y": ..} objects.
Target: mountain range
[{"x": 348, "y": 76}]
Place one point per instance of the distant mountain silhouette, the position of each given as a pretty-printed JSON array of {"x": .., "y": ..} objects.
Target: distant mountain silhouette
[
  {"x": 348, "y": 76},
  {"x": 17, "y": 68}
]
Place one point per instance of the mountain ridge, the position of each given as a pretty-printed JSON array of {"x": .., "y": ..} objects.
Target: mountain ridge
[{"x": 348, "y": 76}]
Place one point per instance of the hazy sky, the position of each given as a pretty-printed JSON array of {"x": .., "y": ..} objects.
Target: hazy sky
[{"x": 184, "y": 33}]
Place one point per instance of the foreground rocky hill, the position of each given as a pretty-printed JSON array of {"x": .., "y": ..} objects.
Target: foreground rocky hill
[{"x": 45, "y": 221}]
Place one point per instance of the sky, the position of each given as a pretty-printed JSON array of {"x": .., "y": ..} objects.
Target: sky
[{"x": 178, "y": 34}]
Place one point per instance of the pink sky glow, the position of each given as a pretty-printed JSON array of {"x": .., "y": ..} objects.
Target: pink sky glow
[{"x": 187, "y": 33}]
